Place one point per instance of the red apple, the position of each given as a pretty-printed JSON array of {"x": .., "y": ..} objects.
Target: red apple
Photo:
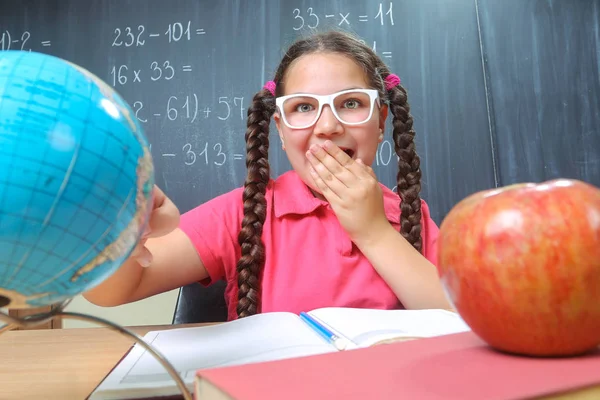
[{"x": 521, "y": 265}]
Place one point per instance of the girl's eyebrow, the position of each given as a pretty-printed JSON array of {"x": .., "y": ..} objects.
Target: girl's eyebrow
[{"x": 341, "y": 90}]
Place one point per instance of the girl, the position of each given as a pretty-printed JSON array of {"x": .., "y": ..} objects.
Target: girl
[{"x": 324, "y": 234}]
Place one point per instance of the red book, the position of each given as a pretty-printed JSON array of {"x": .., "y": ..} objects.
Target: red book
[{"x": 450, "y": 367}]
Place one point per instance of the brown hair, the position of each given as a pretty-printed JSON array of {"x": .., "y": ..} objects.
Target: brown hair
[{"x": 260, "y": 112}]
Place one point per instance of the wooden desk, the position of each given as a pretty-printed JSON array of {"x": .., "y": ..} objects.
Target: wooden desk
[{"x": 65, "y": 364}]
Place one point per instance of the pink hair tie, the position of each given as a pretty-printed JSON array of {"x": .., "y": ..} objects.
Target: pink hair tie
[
  {"x": 391, "y": 81},
  {"x": 270, "y": 86}
]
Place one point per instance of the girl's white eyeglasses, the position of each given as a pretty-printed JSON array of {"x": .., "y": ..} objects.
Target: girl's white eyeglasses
[{"x": 350, "y": 107}]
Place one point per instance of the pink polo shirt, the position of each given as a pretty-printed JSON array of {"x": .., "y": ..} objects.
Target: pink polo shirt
[{"x": 310, "y": 260}]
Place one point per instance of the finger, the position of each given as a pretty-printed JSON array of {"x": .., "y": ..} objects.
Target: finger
[
  {"x": 142, "y": 255},
  {"x": 366, "y": 168},
  {"x": 335, "y": 160},
  {"x": 329, "y": 194},
  {"x": 326, "y": 178},
  {"x": 164, "y": 217},
  {"x": 158, "y": 196},
  {"x": 352, "y": 165},
  {"x": 337, "y": 153}
]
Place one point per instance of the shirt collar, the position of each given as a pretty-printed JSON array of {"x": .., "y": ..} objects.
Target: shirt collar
[{"x": 292, "y": 196}]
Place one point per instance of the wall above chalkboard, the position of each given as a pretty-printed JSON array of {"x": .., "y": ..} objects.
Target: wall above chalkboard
[{"x": 499, "y": 93}]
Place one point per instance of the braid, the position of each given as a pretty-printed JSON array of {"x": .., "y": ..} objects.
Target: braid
[
  {"x": 409, "y": 171},
  {"x": 257, "y": 163}
]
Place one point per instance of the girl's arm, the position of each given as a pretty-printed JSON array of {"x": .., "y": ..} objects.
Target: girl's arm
[
  {"x": 411, "y": 276},
  {"x": 168, "y": 254},
  {"x": 175, "y": 263}
]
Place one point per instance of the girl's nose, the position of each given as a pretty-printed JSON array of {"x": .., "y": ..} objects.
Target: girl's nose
[{"x": 327, "y": 124}]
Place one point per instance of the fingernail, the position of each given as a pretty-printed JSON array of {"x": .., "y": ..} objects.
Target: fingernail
[
  {"x": 144, "y": 262},
  {"x": 314, "y": 149}
]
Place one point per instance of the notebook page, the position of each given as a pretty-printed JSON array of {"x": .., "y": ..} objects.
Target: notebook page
[
  {"x": 261, "y": 337},
  {"x": 366, "y": 327}
]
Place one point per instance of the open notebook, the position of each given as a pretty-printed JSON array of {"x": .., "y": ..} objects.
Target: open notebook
[{"x": 262, "y": 337}]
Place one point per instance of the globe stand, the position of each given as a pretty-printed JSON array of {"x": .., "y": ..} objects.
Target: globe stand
[{"x": 41, "y": 318}]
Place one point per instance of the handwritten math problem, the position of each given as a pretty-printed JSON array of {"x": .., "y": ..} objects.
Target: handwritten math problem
[
  {"x": 137, "y": 36},
  {"x": 310, "y": 18},
  {"x": 217, "y": 154},
  {"x": 190, "y": 109},
  {"x": 205, "y": 154},
  {"x": 157, "y": 70},
  {"x": 20, "y": 41}
]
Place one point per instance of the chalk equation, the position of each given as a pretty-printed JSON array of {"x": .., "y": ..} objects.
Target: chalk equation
[
  {"x": 207, "y": 153},
  {"x": 191, "y": 108},
  {"x": 384, "y": 54},
  {"x": 157, "y": 70},
  {"x": 311, "y": 19},
  {"x": 12, "y": 41},
  {"x": 204, "y": 154},
  {"x": 137, "y": 36},
  {"x": 385, "y": 154}
]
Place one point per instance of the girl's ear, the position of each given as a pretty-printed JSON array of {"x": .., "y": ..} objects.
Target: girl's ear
[
  {"x": 383, "y": 113},
  {"x": 277, "y": 119}
]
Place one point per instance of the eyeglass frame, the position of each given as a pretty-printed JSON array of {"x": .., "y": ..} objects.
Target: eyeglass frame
[{"x": 327, "y": 99}]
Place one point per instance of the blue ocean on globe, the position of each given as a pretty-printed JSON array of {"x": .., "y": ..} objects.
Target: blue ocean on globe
[{"x": 76, "y": 178}]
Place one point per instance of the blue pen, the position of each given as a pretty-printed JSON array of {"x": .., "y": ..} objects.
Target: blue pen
[{"x": 339, "y": 342}]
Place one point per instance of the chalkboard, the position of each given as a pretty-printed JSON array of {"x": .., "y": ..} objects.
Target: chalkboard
[
  {"x": 544, "y": 83},
  {"x": 494, "y": 96}
]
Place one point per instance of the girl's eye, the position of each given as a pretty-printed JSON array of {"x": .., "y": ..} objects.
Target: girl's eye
[
  {"x": 353, "y": 103},
  {"x": 304, "y": 108}
]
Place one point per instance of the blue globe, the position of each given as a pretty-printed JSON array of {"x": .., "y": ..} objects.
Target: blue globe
[{"x": 76, "y": 179}]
